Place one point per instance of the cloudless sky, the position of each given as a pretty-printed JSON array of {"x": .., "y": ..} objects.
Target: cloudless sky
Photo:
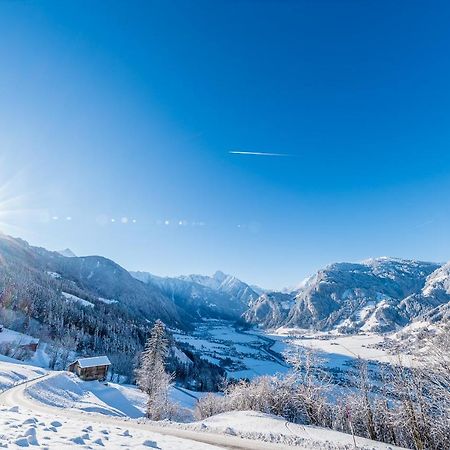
[{"x": 127, "y": 111}]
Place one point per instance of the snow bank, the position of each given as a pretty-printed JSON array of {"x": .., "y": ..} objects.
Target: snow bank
[
  {"x": 67, "y": 391},
  {"x": 16, "y": 338},
  {"x": 22, "y": 429},
  {"x": 13, "y": 371},
  {"x": 269, "y": 428}
]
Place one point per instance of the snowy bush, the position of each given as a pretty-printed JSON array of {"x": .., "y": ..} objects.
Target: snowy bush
[{"x": 408, "y": 407}]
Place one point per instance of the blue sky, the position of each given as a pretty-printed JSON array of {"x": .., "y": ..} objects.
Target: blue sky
[{"x": 127, "y": 111}]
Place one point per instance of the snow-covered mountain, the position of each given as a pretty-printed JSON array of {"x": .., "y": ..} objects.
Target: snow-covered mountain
[
  {"x": 379, "y": 294},
  {"x": 67, "y": 253},
  {"x": 438, "y": 284},
  {"x": 270, "y": 309},
  {"x": 219, "y": 295},
  {"x": 47, "y": 278}
]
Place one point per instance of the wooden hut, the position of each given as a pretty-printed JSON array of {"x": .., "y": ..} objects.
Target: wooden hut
[
  {"x": 31, "y": 346},
  {"x": 88, "y": 369}
]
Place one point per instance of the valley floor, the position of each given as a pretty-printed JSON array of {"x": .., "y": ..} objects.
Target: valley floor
[{"x": 252, "y": 353}]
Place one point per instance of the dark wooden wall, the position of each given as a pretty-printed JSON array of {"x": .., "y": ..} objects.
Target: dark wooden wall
[{"x": 93, "y": 373}]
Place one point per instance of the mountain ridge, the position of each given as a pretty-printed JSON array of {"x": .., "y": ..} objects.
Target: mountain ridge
[
  {"x": 376, "y": 295},
  {"x": 219, "y": 295}
]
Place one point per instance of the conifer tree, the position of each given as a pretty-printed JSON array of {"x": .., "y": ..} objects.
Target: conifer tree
[{"x": 151, "y": 376}]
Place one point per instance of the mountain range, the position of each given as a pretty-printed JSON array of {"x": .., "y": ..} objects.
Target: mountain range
[
  {"x": 377, "y": 295},
  {"x": 216, "y": 296}
]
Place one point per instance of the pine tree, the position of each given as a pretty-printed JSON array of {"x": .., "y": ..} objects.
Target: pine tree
[{"x": 151, "y": 376}]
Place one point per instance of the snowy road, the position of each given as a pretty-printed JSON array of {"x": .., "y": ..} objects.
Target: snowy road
[{"x": 16, "y": 396}]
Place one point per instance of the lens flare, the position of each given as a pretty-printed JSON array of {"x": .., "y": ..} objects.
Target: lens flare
[{"x": 14, "y": 213}]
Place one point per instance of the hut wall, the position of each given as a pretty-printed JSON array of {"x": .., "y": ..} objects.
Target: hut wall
[{"x": 92, "y": 373}]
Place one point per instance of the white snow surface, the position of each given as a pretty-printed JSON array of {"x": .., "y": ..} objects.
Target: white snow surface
[
  {"x": 267, "y": 427},
  {"x": 108, "y": 301},
  {"x": 21, "y": 428},
  {"x": 13, "y": 371},
  {"x": 66, "y": 390},
  {"x": 14, "y": 337},
  {"x": 74, "y": 298},
  {"x": 338, "y": 350},
  {"x": 217, "y": 340},
  {"x": 59, "y": 411}
]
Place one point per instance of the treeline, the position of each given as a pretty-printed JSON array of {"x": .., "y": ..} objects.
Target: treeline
[
  {"x": 71, "y": 328},
  {"x": 31, "y": 302},
  {"x": 410, "y": 407}
]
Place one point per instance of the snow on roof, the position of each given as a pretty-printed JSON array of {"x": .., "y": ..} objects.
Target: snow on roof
[
  {"x": 14, "y": 337},
  {"x": 94, "y": 361}
]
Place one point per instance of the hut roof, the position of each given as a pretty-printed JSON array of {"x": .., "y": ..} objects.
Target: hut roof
[{"x": 92, "y": 362}]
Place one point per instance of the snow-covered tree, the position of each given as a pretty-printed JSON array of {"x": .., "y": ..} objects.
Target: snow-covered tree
[
  {"x": 151, "y": 376},
  {"x": 311, "y": 383},
  {"x": 209, "y": 405}
]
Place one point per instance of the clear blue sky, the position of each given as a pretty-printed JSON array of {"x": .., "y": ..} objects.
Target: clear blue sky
[{"x": 130, "y": 108}]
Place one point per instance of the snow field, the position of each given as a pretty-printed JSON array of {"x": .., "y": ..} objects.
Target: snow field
[
  {"x": 20, "y": 429},
  {"x": 27, "y": 420},
  {"x": 13, "y": 372},
  {"x": 74, "y": 298},
  {"x": 65, "y": 390},
  {"x": 218, "y": 340},
  {"x": 268, "y": 428}
]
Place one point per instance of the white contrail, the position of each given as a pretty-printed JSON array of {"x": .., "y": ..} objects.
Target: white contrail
[{"x": 238, "y": 152}]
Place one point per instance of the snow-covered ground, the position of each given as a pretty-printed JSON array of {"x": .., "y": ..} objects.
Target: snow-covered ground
[
  {"x": 22, "y": 428},
  {"x": 15, "y": 341},
  {"x": 255, "y": 352},
  {"x": 338, "y": 351},
  {"x": 266, "y": 427},
  {"x": 74, "y": 298},
  {"x": 13, "y": 372},
  {"x": 16, "y": 338},
  {"x": 66, "y": 390},
  {"x": 108, "y": 301},
  {"x": 56, "y": 410}
]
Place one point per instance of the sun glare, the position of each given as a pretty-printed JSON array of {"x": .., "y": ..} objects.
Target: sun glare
[{"x": 13, "y": 205}]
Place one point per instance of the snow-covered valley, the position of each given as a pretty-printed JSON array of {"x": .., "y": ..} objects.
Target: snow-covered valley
[
  {"x": 240, "y": 365},
  {"x": 244, "y": 354},
  {"x": 33, "y": 396},
  {"x": 251, "y": 353}
]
